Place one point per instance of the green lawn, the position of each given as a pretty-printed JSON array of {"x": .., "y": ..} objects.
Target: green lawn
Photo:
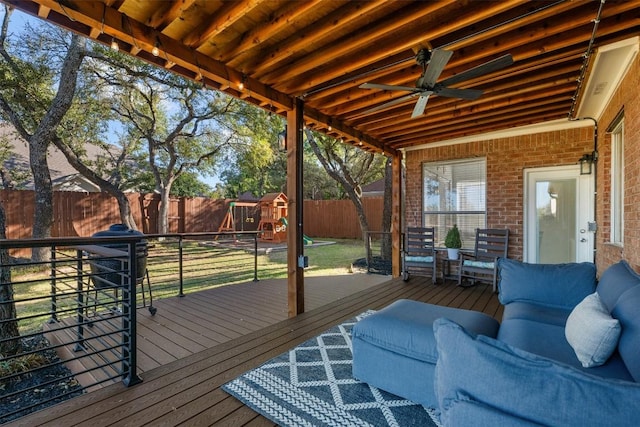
[{"x": 204, "y": 266}]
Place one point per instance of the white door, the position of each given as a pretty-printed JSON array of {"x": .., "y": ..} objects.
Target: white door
[{"x": 559, "y": 207}]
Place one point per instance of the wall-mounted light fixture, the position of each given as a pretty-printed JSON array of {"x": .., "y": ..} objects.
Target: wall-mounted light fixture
[
  {"x": 586, "y": 162},
  {"x": 282, "y": 140}
]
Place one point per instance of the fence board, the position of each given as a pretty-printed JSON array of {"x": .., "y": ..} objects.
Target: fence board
[{"x": 83, "y": 214}]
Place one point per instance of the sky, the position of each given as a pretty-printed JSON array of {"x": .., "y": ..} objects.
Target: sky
[{"x": 19, "y": 20}]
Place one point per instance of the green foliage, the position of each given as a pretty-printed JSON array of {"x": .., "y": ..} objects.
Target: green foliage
[{"x": 453, "y": 239}]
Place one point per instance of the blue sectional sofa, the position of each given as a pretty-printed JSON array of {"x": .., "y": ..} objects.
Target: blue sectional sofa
[{"x": 566, "y": 353}]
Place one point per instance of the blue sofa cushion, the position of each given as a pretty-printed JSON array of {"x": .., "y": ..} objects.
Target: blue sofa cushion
[
  {"x": 627, "y": 311},
  {"x": 592, "y": 332},
  {"x": 616, "y": 280},
  {"x": 542, "y": 332},
  {"x": 517, "y": 384},
  {"x": 406, "y": 327},
  {"x": 552, "y": 285}
]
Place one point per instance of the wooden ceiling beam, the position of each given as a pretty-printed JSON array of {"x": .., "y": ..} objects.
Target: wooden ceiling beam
[
  {"x": 269, "y": 57},
  {"x": 350, "y": 96},
  {"x": 520, "y": 48},
  {"x": 299, "y": 76},
  {"x": 521, "y": 75},
  {"x": 126, "y": 29},
  {"x": 521, "y": 119},
  {"x": 259, "y": 34},
  {"x": 223, "y": 18},
  {"x": 401, "y": 121},
  {"x": 460, "y": 119},
  {"x": 350, "y": 46},
  {"x": 167, "y": 12}
]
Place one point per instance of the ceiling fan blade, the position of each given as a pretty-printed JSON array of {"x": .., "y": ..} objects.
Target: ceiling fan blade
[
  {"x": 439, "y": 59},
  {"x": 421, "y": 104},
  {"x": 387, "y": 87},
  {"x": 450, "y": 92},
  {"x": 486, "y": 68},
  {"x": 390, "y": 103}
]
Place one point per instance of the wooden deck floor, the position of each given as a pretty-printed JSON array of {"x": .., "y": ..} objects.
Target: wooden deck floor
[{"x": 187, "y": 391}]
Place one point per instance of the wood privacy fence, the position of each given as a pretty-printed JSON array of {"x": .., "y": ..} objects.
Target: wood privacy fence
[{"x": 83, "y": 214}]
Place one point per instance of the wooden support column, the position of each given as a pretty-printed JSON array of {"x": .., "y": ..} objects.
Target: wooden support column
[
  {"x": 396, "y": 214},
  {"x": 295, "y": 248}
]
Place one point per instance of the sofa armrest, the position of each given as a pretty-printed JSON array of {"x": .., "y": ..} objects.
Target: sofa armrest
[
  {"x": 481, "y": 374},
  {"x": 552, "y": 285}
]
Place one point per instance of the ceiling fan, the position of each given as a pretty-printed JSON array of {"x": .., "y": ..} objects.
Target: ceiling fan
[{"x": 433, "y": 63}]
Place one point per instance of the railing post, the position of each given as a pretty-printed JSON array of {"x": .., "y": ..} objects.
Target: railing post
[
  {"x": 255, "y": 257},
  {"x": 129, "y": 334},
  {"x": 367, "y": 246},
  {"x": 181, "y": 292},
  {"x": 81, "y": 305},
  {"x": 54, "y": 287}
]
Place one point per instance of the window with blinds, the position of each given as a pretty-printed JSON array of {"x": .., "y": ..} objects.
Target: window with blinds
[{"x": 455, "y": 193}]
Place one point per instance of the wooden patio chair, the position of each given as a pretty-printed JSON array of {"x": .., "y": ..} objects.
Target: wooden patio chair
[
  {"x": 491, "y": 244},
  {"x": 418, "y": 252}
]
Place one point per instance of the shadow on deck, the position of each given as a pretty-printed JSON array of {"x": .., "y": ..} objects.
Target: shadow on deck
[{"x": 217, "y": 335}]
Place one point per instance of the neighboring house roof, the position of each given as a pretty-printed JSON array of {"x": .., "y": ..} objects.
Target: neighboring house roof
[
  {"x": 374, "y": 189},
  {"x": 63, "y": 176}
]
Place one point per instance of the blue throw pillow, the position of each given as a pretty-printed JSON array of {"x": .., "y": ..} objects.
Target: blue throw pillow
[
  {"x": 551, "y": 285},
  {"x": 521, "y": 386}
]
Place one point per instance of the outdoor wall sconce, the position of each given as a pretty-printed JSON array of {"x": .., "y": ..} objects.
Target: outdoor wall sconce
[
  {"x": 586, "y": 161},
  {"x": 282, "y": 140}
]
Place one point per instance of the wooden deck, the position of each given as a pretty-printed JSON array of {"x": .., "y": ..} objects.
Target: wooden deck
[
  {"x": 187, "y": 391},
  {"x": 184, "y": 326}
]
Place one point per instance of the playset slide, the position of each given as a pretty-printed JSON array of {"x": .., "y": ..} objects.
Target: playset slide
[{"x": 307, "y": 240}]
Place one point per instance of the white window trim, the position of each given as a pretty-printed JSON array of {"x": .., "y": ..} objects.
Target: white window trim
[{"x": 616, "y": 235}]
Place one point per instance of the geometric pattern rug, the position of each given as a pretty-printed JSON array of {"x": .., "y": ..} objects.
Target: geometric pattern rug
[{"x": 312, "y": 385}]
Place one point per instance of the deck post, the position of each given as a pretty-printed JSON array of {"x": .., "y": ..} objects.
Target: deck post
[
  {"x": 396, "y": 213},
  {"x": 129, "y": 333},
  {"x": 295, "y": 248}
]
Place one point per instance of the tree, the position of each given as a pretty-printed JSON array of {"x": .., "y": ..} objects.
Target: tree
[
  {"x": 260, "y": 168},
  {"x": 182, "y": 127},
  {"x": 35, "y": 99},
  {"x": 349, "y": 166},
  {"x": 10, "y": 343}
]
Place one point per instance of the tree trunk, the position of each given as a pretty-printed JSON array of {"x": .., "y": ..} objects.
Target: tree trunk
[
  {"x": 126, "y": 216},
  {"x": 386, "y": 211},
  {"x": 163, "y": 210},
  {"x": 43, "y": 136},
  {"x": 8, "y": 323},
  {"x": 43, "y": 190},
  {"x": 124, "y": 207}
]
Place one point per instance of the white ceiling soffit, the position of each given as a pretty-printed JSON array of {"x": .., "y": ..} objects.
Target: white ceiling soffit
[
  {"x": 550, "y": 126},
  {"x": 609, "y": 67}
]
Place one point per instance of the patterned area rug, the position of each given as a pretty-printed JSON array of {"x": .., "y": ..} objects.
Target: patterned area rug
[{"x": 312, "y": 385}]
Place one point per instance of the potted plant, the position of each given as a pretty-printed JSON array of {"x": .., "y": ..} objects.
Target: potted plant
[{"x": 453, "y": 242}]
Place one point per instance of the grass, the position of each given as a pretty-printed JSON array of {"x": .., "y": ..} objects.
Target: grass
[
  {"x": 329, "y": 260},
  {"x": 204, "y": 267}
]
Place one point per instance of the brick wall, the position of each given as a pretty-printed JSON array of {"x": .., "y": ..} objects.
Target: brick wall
[
  {"x": 508, "y": 157},
  {"x": 625, "y": 98},
  {"x": 506, "y": 160}
]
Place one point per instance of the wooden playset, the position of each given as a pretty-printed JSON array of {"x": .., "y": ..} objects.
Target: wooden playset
[{"x": 273, "y": 207}]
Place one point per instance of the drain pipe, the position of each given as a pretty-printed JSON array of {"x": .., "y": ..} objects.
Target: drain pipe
[{"x": 593, "y": 226}]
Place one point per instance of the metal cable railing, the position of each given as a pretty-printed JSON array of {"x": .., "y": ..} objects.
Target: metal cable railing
[{"x": 78, "y": 308}]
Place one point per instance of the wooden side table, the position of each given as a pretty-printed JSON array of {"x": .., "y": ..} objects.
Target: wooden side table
[{"x": 450, "y": 268}]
